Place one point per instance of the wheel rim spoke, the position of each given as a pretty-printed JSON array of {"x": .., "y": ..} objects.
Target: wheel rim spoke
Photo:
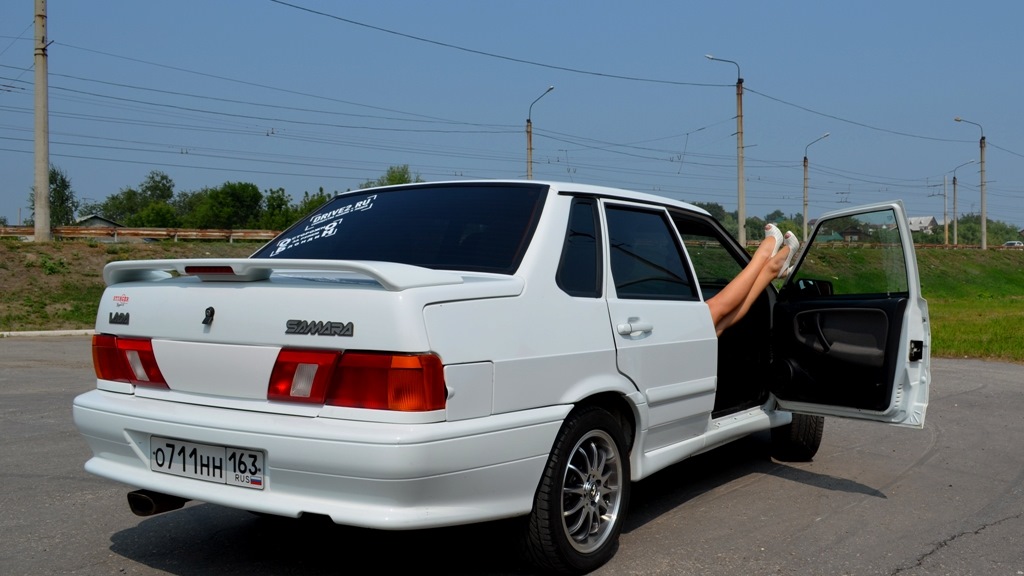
[{"x": 590, "y": 491}]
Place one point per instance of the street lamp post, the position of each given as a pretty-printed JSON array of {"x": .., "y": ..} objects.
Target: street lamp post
[
  {"x": 984, "y": 213},
  {"x": 822, "y": 137},
  {"x": 529, "y": 135},
  {"x": 945, "y": 214},
  {"x": 741, "y": 208},
  {"x": 954, "y": 200}
]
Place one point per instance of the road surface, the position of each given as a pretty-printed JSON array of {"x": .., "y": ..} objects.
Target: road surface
[{"x": 948, "y": 499}]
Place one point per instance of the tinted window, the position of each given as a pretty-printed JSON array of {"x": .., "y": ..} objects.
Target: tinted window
[
  {"x": 455, "y": 227},
  {"x": 579, "y": 272},
  {"x": 647, "y": 261}
]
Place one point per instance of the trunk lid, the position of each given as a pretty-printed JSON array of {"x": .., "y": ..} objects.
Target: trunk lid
[{"x": 218, "y": 324}]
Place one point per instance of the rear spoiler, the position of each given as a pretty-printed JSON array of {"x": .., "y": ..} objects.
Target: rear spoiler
[{"x": 392, "y": 276}]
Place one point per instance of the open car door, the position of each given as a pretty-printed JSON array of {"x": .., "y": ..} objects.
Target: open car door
[{"x": 850, "y": 329}]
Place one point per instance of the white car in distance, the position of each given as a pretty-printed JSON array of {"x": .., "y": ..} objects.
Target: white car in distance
[{"x": 445, "y": 353}]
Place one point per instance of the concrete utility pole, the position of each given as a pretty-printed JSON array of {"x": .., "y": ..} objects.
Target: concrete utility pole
[
  {"x": 42, "y": 130},
  {"x": 805, "y": 218},
  {"x": 529, "y": 135},
  {"x": 945, "y": 214},
  {"x": 955, "y": 240},
  {"x": 741, "y": 192},
  {"x": 984, "y": 212}
]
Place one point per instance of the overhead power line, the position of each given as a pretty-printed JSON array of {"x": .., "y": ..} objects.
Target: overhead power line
[
  {"x": 499, "y": 56},
  {"x": 853, "y": 122},
  {"x": 638, "y": 159}
]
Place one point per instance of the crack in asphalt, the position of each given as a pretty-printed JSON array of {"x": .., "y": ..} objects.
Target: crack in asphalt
[{"x": 948, "y": 541}]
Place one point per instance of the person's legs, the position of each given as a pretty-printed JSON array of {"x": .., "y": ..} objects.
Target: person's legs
[
  {"x": 743, "y": 291},
  {"x": 770, "y": 271},
  {"x": 736, "y": 291}
]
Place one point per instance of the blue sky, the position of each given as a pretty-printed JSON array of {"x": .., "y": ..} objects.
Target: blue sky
[{"x": 311, "y": 93}]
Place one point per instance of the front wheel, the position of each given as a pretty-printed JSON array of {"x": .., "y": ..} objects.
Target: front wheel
[{"x": 583, "y": 495}]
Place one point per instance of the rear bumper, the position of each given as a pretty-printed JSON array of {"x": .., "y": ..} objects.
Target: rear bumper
[{"x": 374, "y": 475}]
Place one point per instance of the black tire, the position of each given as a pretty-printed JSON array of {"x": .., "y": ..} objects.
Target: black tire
[
  {"x": 583, "y": 496},
  {"x": 799, "y": 440}
]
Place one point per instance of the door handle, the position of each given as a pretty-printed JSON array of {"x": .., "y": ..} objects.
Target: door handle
[{"x": 634, "y": 327}]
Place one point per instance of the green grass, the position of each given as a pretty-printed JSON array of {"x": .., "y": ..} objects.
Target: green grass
[
  {"x": 976, "y": 301},
  {"x": 978, "y": 329},
  {"x": 58, "y": 285}
]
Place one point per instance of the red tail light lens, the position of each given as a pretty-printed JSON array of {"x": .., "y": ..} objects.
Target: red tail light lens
[
  {"x": 126, "y": 360},
  {"x": 302, "y": 376},
  {"x": 389, "y": 382},
  {"x": 403, "y": 382}
]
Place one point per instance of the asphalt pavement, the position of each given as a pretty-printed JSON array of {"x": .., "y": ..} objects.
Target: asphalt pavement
[{"x": 877, "y": 500}]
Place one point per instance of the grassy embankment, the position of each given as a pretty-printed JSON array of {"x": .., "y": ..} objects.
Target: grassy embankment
[
  {"x": 976, "y": 298},
  {"x": 57, "y": 285}
]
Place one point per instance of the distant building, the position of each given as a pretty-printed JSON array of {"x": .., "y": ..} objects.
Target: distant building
[
  {"x": 852, "y": 234},
  {"x": 922, "y": 224},
  {"x": 106, "y": 229},
  {"x": 94, "y": 221}
]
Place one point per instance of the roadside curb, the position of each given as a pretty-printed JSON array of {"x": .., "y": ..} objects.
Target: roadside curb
[{"x": 38, "y": 333}]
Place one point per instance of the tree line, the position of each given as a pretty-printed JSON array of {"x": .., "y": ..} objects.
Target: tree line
[{"x": 154, "y": 203}]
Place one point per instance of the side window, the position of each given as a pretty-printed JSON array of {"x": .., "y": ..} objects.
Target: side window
[
  {"x": 579, "y": 271},
  {"x": 854, "y": 255},
  {"x": 714, "y": 263},
  {"x": 646, "y": 257}
]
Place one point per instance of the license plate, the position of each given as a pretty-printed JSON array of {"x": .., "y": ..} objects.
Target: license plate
[{"x": 221, "y": 464}]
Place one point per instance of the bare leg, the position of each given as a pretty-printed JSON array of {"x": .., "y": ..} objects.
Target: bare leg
[
  {"x": 767, "y": 273},
  {"x": 736, "y": 292}
]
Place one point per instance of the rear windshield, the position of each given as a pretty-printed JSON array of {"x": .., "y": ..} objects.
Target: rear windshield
[{"x": 477, "y": 227}]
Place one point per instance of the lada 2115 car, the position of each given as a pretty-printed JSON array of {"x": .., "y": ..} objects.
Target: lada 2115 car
[{"x": 445, "y": 353}]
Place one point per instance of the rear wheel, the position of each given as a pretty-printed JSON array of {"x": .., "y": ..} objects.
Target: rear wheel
[
  {"x": 583, "y": 495},
  {"x": 799, "y": 440}
]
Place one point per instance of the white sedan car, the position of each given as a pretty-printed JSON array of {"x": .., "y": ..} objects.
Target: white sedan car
[{"x": 445, "y": 353}]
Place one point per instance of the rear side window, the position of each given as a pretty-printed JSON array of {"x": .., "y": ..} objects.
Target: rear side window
[
  {"x": 475, "y": 227},
  {"x": 579, "y": 272},
  {"x": 647, "y": 259}
]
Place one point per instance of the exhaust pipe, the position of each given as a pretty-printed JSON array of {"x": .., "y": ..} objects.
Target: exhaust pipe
[{"x": 148, "y": 503}]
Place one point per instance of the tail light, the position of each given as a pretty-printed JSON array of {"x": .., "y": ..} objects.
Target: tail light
[
  {"x": 402, "y": 382},
  {"x": 302, "y": 376},
  {"x": 126, "y": 360}
]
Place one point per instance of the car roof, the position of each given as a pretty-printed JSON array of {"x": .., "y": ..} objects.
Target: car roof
[{"x": 559, "y": 187}]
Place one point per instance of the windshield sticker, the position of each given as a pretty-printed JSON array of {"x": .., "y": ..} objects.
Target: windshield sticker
[{"x": 322, "y": 225}]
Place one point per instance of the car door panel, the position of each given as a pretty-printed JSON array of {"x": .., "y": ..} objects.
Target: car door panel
[
  {"x": 850, "y": 328},
  {"x": 664, "y": 338},
  {"x": 856, "y": 336},
  {"x": 838, "y": 356}
]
